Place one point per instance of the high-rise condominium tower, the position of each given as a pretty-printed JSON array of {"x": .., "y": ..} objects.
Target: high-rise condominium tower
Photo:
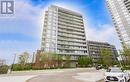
[
  {"x": 120, "y": 12},
  {"x": 127, "y": 4},
  {"x": 63, "y": 32}
]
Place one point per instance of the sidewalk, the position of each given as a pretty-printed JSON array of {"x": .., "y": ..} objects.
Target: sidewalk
[
  {"x": 23, "y": 76},
  {"x": 16, "y": 78}
]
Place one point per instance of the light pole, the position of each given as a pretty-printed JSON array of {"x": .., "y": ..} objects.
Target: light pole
[
  {"x": 11, "y": 68},
  {"x": 120, "y": 58},
  {"x": 33, "y": 59}
]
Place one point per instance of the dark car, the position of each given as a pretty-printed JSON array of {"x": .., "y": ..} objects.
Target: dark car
[{"x": 98, "y": 67}]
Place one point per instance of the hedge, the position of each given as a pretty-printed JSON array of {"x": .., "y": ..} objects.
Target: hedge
[{"x": 4, "y": 69}]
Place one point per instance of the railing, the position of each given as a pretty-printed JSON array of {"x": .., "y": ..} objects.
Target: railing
[
  {"x": 72, "y": 36},
  {"x": 73, "y": 44},
  {"x": 71, "y": 32},
  {"x": 79, "y": 49},
  {"x": 73, "y": 40}
]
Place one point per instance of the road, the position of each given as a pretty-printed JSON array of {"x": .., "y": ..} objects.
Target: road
[{"x": 66, "y": 76}]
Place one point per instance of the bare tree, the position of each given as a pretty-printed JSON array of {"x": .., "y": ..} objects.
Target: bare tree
[{"x": 23, "y": 58}]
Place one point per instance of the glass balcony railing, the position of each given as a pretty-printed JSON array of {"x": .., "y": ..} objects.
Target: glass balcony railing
[
  {"x": 71, "y": 32},
  {"x": 79, "y": 49},
  {"x": 72, "y": 25},
  {"x": 62, "y": 26},
  {"x": 72, "y": 53},
  {"x": 71, "y": 44},
  {"x": 72, "y": 36},
  {"x": 71, "y": 21},
  {"x": 72, "y": 40}
]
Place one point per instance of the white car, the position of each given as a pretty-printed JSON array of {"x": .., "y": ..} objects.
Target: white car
[{"x": 116, "y": 74}]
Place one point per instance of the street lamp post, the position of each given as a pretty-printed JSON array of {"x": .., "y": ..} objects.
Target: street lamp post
[
  {"x": 33, "y": 59},
  {"x": 11, "y": 67}
]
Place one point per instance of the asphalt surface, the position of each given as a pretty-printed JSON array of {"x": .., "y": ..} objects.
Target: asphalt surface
[{"x": 66, "y": 76}]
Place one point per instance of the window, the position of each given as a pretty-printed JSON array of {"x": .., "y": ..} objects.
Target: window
[{"x": 47, "y": 45}]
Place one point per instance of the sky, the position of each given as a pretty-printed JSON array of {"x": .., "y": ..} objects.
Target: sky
[{"x": 22, "y": 32}]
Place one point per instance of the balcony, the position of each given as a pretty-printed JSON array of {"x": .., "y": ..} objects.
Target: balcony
[
  {"x": 70, "y": 18},
  {"x": 71, "y": 40},
  {"x": 62, "y": 26},
  {"x": 72, "y": 32},
  {"x": 71, "y": 44},
  {"x": 71, "y": 36},
  {"x": 71, "y": 21},
  {"x": 72, "y": 25},
  {"x": 66, "y": 53},
  {"x": 69, "y": 15},
  {"x": 71, "y": 48}
]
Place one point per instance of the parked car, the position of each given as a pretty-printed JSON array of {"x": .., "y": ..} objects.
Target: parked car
[
  {"x": 116, "y": 74},
  {"x": 98, "y": 67}
]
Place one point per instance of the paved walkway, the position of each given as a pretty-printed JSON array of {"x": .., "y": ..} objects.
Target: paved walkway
[
  {"x": 23, "y": 76},
  {"x": 16, "y": 78}
]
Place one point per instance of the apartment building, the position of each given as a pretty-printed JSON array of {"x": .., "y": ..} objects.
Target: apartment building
[
  {"x": 95, "y": 47},
  {"x": 64, "y": 33},
  {"x": 127, "y": 4},
  {"x": 120, "y": 13}
]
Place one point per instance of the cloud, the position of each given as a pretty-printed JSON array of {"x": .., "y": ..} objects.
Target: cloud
[
  {"x": 105, "y": 33},
  {"x": 26, "y": 20},
  {"x": 9, "y": 48},
  {"x": 16, "y": 31}
]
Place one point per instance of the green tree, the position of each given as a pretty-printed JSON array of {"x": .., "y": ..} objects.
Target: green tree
[
  {"x": 60, "y": 61},
  {"x": 87, "y": 61},
  {"x": 23, "y": 60},
  {"x": 80, "y": 61},
  {"x": 106, "y": 55},
  {"x": 43, "y": 60},
  {"x": 84, "y": 61},
  {"x": 67, "y": 60},
  {"x": 54, "y": 57},
  {"x": 4, "y": 69},
  {"x": 126, "y": 53},
  {"x": 50, "y": 59},
  {"x": 99, "y": 61}
]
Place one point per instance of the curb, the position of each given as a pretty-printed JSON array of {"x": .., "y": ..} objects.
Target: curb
[
  {"x": 100, "y": 80},
  {"x": 32, "y": 78}
]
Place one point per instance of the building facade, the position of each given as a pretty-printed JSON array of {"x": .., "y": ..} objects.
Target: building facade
[
  {"x": 63, "y": 32},
  {"x": 95, "y": 48},
  {"x": 120, "y": 13},
  {"x": 127, "y": 4}
]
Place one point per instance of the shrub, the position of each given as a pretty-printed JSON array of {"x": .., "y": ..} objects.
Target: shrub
[
  {"x": 20, "y": 67},
  {"x": 28, "y": 66},
  {"x": 16, "y": 67},
  {"x": 126, "y": 67},
  {"x": 84, "y": 61},
  {"x": 4, "y": 69}
]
